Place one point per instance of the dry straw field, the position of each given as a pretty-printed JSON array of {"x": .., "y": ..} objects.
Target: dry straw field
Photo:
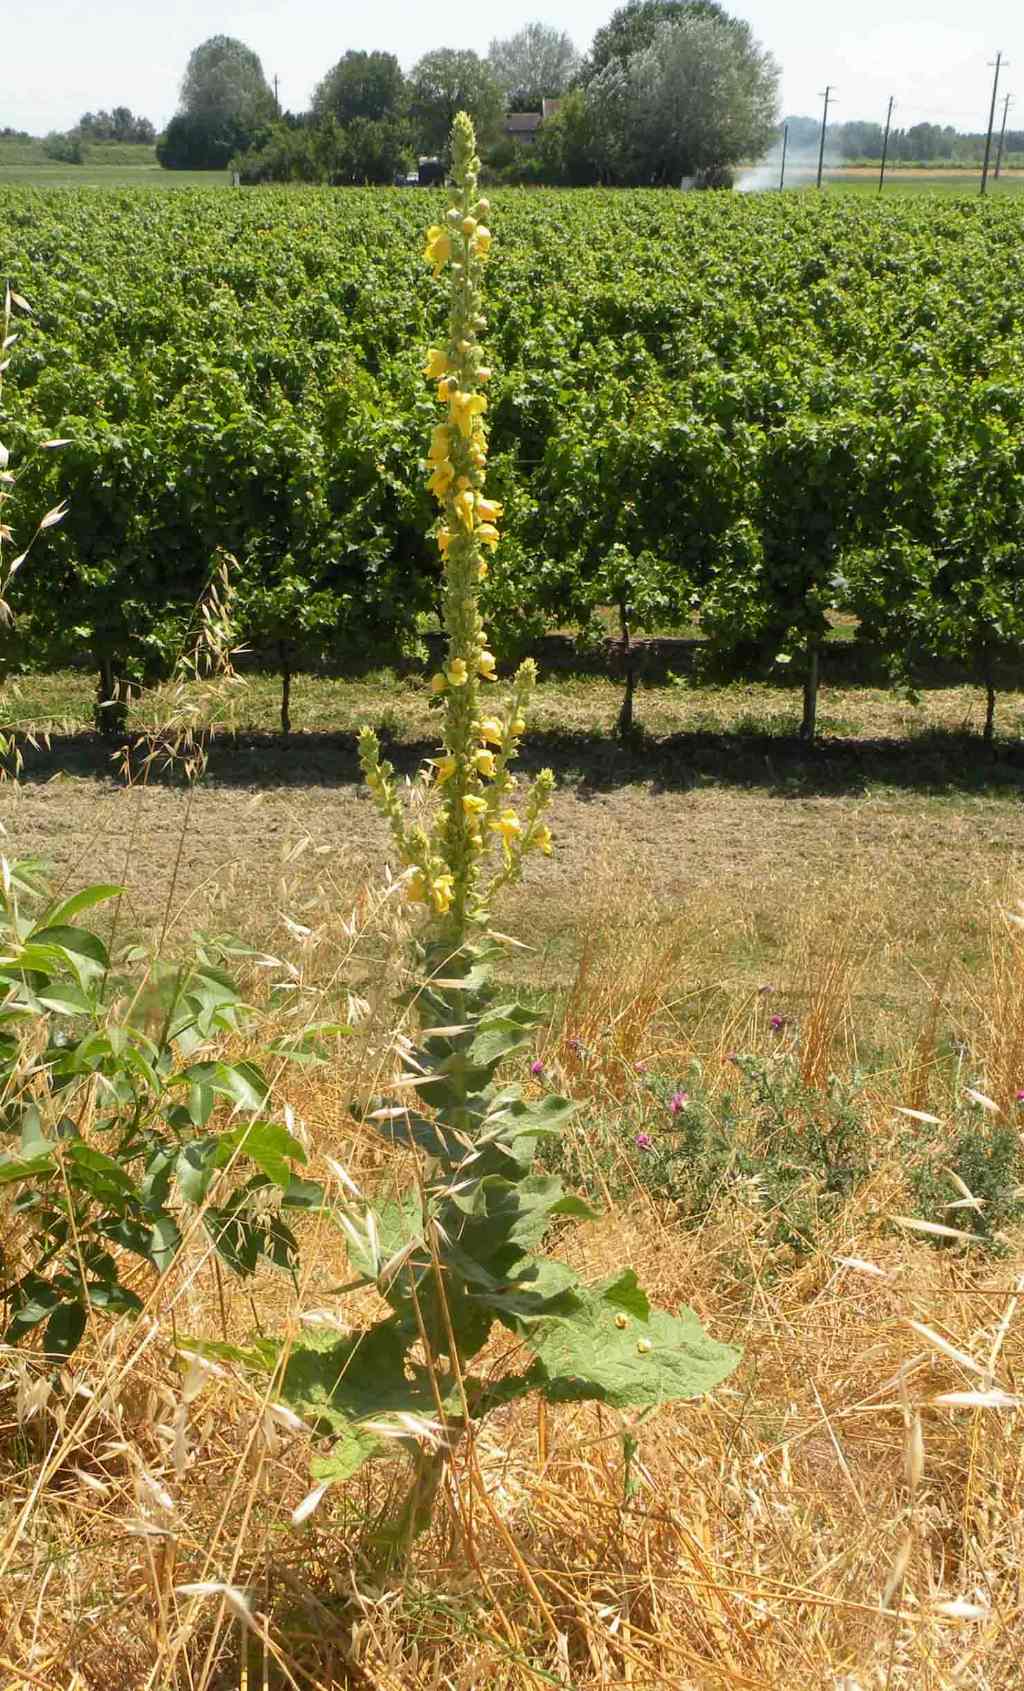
[{"x": 837, "y": 1514}]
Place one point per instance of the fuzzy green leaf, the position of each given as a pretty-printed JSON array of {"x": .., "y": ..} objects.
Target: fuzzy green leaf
[{"x": 602, "y": 1352}]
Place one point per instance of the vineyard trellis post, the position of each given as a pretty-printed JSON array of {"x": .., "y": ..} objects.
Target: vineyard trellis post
[{"x": 785, "y": 144}]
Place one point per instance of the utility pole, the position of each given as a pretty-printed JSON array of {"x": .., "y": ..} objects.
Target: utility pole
[
  {"x": 785, "y": 144},
  {"x": 991, "y": 123},
  {"x": 1002, "y": 136},
  {"x": 277, "y": 98},
  {"x": 885, "y": 143},
  {"x": 824, "y": 121}
]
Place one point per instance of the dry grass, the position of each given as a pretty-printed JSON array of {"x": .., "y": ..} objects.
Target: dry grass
[
  {"x": 825, "y": 1520},
  {"x": 784, "y": 1532}
]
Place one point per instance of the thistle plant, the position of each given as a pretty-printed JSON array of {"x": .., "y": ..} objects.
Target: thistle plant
[{"x": 460, "y": 1253}]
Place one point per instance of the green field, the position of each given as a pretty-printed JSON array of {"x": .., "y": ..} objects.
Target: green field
[
  {"x": 108, "y": 164},
  {"x": 865, "y": 180}
]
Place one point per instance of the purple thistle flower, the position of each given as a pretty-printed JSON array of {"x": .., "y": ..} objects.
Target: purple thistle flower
[
  {"x": 537, "y": 1067},
  {"x": 1020, "y": 1096},
  {"x": 644, "y": 1142},
  {"x": 777, "y": 1023},
  {"x": 678, "y": 1101}
]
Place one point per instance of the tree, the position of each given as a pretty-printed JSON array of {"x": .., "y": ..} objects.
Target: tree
[
  {"x": 361, "y": 85},
  {"x": 67, "y": 149},
  {"x": 564, "y": 151},
  {"x": 448, "y": 81},
  {"x": 119, "y": 125},
  {"x": 208, "y": 141},
  {"x": 700, "y": 97},
  {"x": 225, "y": 104},
  {"x": 537, "y": 63},
  {"x": 224, "y": 78},
  {"x": 634, "y": 25}
]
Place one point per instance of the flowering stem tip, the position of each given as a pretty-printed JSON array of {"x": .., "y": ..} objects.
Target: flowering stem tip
[{"x": 478, "y": 837}]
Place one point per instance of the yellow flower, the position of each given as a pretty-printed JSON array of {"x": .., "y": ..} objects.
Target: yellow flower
[
  {"x": 464, "y": 407},
  {"x": 416, "y": 890},
  {"x": 481, "y": 241},
  {"x": 438, "y": 683},
  {"x": 487, "y": 534},
  {"x": 518, "y": 725},
  {"x": 464, "y": 508},
  {"x": 541, "y": 840},
  {"x": 481, "y": 570},
  {"x": 441, "y": 888},
  {"x": 468, "y": 225},
  {"x": 508, "y": 826},
  {"x": 440, "y": 444},
  {"x": 441, "y": 480},
  {"x": 443, "y": 539},
  {"x": 485, "y": 664},
  {"x": 458, "y": 674},
  {"x": 444, "y": 768},
  {"x": 491, "y": 731},
  {"x": 473, "y": 806},
  {"x": 484, "y": 764},
  {"x": 489, "y": 510},
  {"x": 436, "y": 365},
  {"x": 438, "y": 249}
]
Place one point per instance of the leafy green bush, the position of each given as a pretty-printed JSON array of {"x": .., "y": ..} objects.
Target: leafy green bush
[{"x": 111, "y": 1090}]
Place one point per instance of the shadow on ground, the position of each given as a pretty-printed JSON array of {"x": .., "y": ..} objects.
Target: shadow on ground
[{"x": 934, "y": 763}]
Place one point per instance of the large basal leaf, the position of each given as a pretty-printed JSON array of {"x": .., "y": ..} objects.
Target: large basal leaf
[
  {"x": 397, "y": 1224},
  {"x": 603, "y": 1352},
  {"x": 518, "y": 1214},
  {"x": 338, "y": 1384}
]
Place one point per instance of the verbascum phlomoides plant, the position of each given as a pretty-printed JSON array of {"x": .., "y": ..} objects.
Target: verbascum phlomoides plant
[{"x": 459, "y": 1257}]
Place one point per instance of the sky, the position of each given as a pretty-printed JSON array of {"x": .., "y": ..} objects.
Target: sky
[{"x": 65, "y": 57}]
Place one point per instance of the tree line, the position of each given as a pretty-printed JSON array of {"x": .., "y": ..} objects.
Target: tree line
[
  {"x": 670, "y": 88},
  {"x": 919, "y": 143}
]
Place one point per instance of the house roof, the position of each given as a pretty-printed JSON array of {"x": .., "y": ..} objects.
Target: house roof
[{"x": 523, "y": 123}]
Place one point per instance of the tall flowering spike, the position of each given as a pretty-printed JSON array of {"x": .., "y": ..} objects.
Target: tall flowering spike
[{"x": 478, "y": 840}]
